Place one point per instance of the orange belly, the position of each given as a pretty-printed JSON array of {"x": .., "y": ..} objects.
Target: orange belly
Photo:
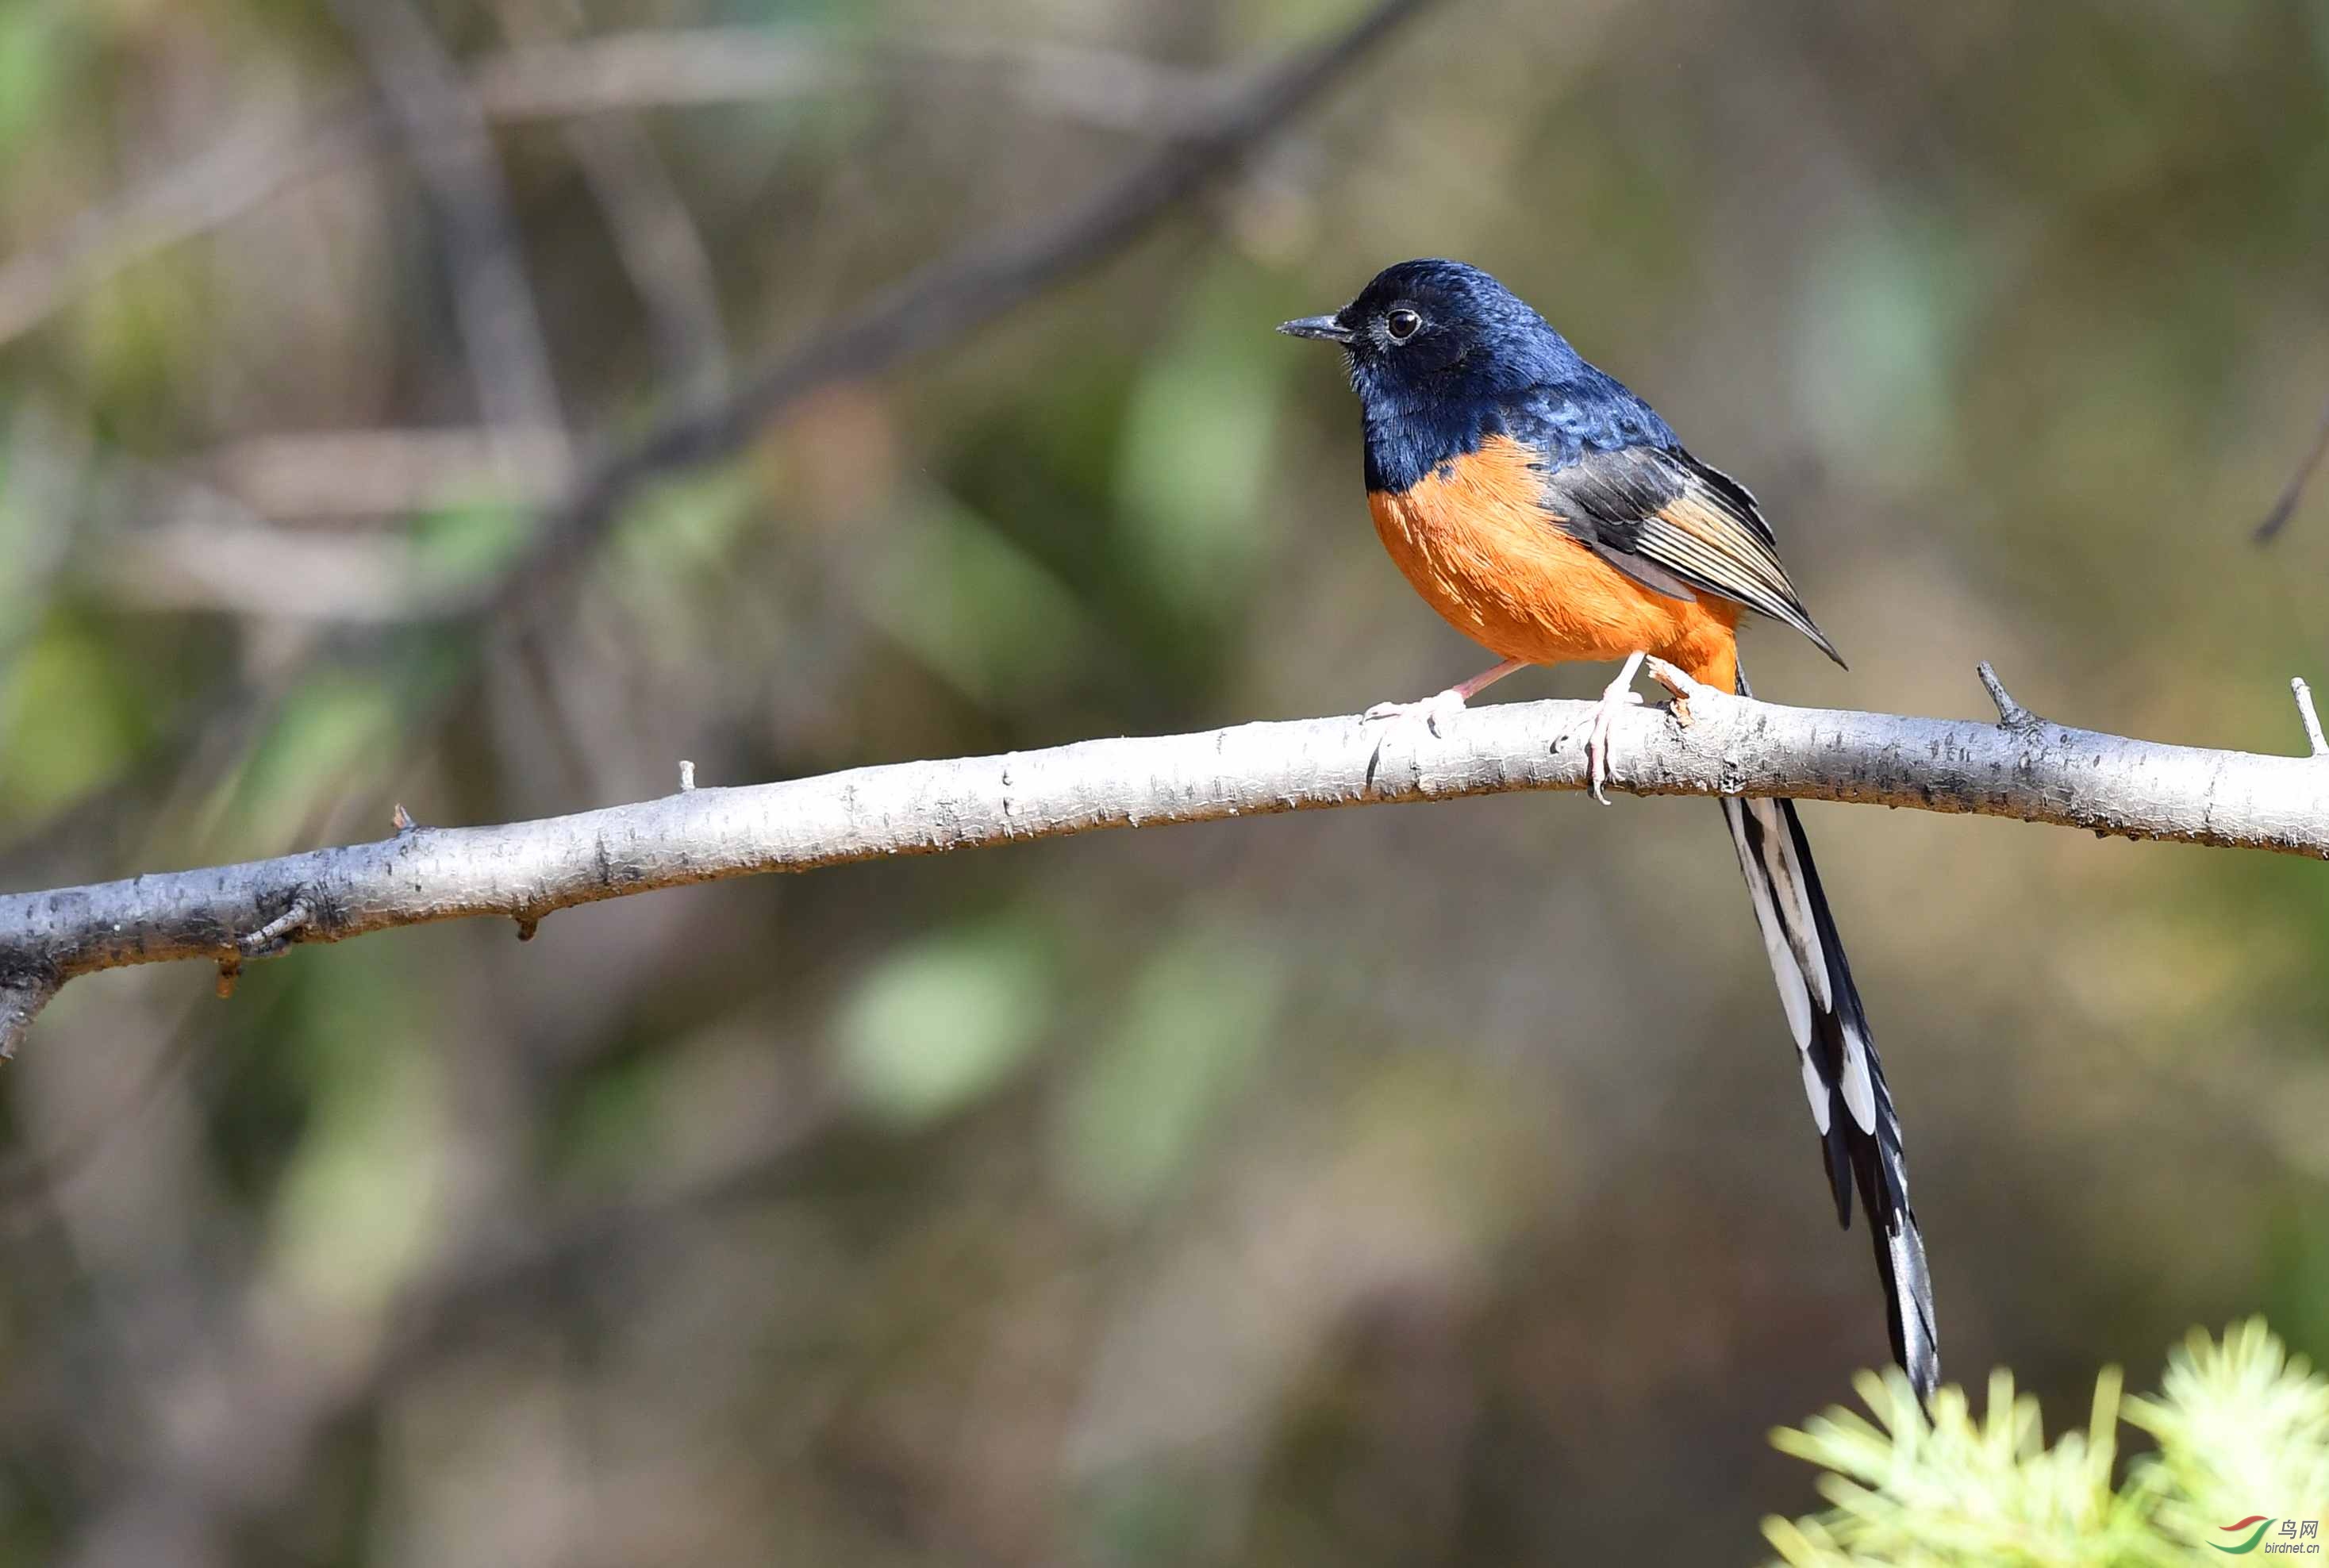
[{"x": 1474, "y": 541}]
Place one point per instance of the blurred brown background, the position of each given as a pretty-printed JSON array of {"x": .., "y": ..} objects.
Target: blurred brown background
[{"x": 1367, "y": 1187}]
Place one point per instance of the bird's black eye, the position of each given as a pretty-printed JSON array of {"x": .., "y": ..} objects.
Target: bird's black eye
[{"x": 1402, "y": 324}]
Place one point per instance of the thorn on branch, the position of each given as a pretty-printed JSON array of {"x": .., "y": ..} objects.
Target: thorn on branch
[
  {"x": 2312, "y": 719},
  {"x": 686, "y": 776},
  {"x": 277, "y": 934},
  {"x": 527, "y": 925},
  {"x": 2011, "y": 714},
  {"x": 402, "y": 819},
  {"x": 230, "y": 970}
]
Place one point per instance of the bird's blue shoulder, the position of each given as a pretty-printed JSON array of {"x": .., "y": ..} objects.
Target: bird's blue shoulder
[{"x": 1590, "y": 411}]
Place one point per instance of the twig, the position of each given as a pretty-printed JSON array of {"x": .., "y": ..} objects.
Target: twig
[
  {"x": 2011, "y": 714},
  {"x": 2294, "y": 491},
  {"x": 276, "y": 935},
  {"x": 2106, "y": 784},
  {"x": 2305, "y": 710}
]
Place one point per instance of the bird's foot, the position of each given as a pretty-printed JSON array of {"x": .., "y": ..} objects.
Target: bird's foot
[
  {"x": 1430, "y": 710},
  {"x": 1616, "y": 695}
]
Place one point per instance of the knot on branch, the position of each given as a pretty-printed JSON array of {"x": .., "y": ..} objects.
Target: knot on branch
[
  {"x": 1686, "y": 689},
  {"x": 275, "y": 936}
]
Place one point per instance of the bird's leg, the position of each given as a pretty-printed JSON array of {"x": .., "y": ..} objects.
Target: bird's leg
[
  {"x": 1487, "y": 678},
  {"x": 1432, "y": 709},
  {"x": 1619, "y": 693}
]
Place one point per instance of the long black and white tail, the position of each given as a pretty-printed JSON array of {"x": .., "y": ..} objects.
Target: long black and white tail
[{"x": 1860, "y": 1136}]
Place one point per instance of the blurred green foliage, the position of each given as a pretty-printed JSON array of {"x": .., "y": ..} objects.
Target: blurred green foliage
[{"x": 934, "y": 1027}]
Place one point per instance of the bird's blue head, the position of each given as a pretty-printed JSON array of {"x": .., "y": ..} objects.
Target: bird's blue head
[
  {"x": 1428, "y": 334},
  {"x": 1443, "y": 356}
]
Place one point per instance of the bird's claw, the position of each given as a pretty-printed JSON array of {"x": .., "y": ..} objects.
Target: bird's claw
[
  {"x": 1430, "y": 710},
  {"x": 1596, "y": 740},
  {"x": 1619, "y": 693}
]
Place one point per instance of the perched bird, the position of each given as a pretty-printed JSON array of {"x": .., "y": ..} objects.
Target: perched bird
[{"x": 1550, "y": 515}]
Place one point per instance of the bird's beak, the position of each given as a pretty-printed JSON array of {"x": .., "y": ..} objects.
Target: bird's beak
[{"x": 1326, "y": 328}]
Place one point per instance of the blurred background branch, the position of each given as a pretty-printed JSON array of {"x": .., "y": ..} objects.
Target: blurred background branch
[
  {"x": 2292, "y": 493},
  {"x": 958, "y": 295},
  {"x": 501, "y": 330},
  {"x": 582, "y": 81},
  {"x": 646, "y": 216}
]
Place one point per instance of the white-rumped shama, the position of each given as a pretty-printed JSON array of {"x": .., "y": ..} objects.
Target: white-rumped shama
[{"x": 1551, "y": 515}]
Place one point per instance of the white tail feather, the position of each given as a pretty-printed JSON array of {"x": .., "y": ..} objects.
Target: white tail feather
[{"x": 1786, "y": 964}]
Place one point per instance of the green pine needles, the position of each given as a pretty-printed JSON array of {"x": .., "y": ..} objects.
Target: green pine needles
[{"x": 2241, "y": 1465}]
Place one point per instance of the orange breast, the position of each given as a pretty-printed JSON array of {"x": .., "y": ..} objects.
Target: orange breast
[{"x": 1474, "y": 541}]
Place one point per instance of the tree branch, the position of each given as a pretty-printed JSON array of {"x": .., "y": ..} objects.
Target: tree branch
[{"x": 2034, "y": 769}]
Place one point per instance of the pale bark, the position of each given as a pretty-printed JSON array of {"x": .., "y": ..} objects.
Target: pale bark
[{"x": 2023, "y": 767}]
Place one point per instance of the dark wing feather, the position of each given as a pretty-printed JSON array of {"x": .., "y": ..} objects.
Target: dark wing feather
[{"x": 1677, "y": 527}]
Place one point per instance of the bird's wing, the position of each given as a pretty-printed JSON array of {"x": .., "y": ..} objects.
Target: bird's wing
[{"x": 1677, "y": 527}]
